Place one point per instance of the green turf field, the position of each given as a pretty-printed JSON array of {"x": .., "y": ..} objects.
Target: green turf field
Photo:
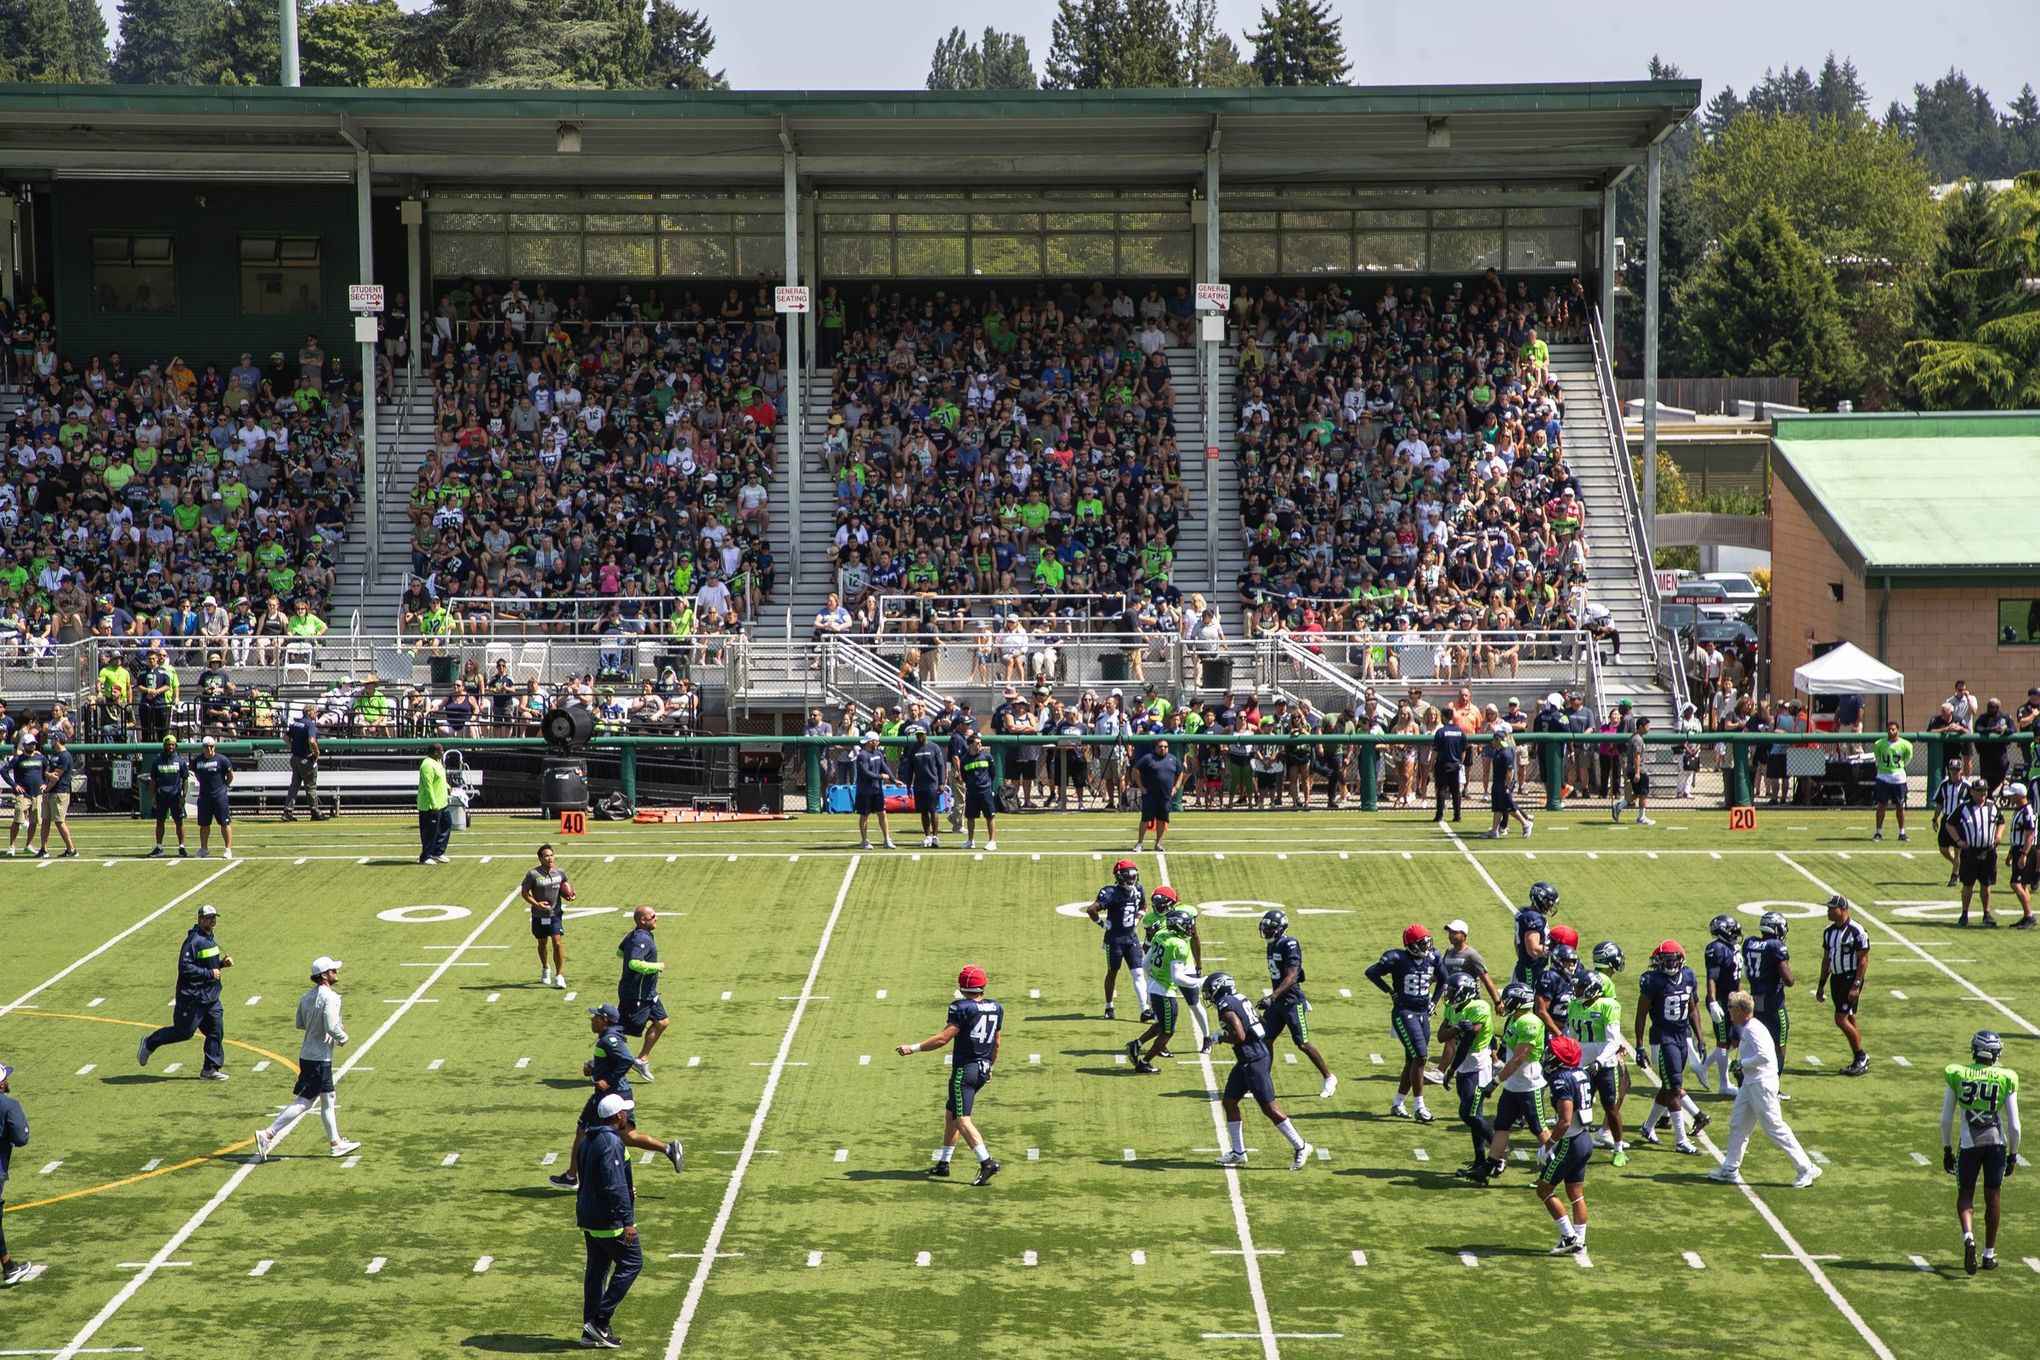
[{"x": 796, "y": 966}]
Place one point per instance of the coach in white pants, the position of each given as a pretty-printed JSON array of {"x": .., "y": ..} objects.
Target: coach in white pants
[{"x": 1756, "y": 1104}]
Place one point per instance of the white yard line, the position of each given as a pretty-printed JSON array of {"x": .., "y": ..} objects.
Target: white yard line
[
  {"x": 1952, "y": 975},
  {"x": 171, "y": 905},
  {"x": 233, "y": 1182},
  {"x": 1797, "y": 1252},
  {"x": 1262, "y": 1319},
  {"x": 692, "y": 1302}
]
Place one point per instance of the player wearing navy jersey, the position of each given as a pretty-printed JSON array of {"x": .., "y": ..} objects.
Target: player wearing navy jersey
[
  {"x": 1412, "y": 977},
  {"x": 1664, "y": 1002},
  {"x": 167, "y": 774},
  {"x": 1723, "y": 968},
  {"x": 974, "y": 1023},
  {"x": 1118, "y": 909},
  {"x": 1286, "y": 1007},
  {"x": 1249, "y": 1076},
  {"x": 1557, "y": 982},
  {"x": 637, "y": 991},
  {"x": 1767, "y": 972},
  {"x": 1564, "y": 1160},
  {"x": 215, "y": 774},
  {"x": 609, "y": 1071},
  {"x": 1531, "y": 923}
]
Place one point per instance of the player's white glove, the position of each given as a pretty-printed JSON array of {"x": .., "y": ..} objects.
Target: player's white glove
[{"x": 1715, "y": 1012}]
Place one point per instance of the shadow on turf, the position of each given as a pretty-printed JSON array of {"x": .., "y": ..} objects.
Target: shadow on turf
[
  {"x": 136, "y": 1079},
  {"x": 531, "y": 1192},
  {"x": 885, "y": 1175},
  {"x": 517, "y": 1343},
  {"x": 1405, "y": 1175},
  {"x": 1488, "y": 1249}
]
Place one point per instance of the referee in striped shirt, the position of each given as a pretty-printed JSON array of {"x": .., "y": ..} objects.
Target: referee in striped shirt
[
  {"x": 1978, "y": 827},
  {"x": 2025, "y": 853},
  {"x": 1949, "y": 800},
  {"x": 1844, "y": 962}
]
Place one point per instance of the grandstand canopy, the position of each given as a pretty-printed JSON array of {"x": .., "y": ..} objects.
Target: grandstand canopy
[
  {"x": 1912, "y": 495},
  {"x": 1578, "y": 135}
]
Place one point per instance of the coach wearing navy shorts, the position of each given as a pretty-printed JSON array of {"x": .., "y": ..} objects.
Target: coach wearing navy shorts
[{"x": 1160, "y": 775}]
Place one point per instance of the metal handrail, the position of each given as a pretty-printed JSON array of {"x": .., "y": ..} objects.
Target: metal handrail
[
  {"x": 842, "y": 652},
  {"x": 1665, "y": 659}
]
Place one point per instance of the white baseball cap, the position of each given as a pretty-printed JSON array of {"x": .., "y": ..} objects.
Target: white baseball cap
[
  {"x": 1456, "y": 925},
  {"x": 612, "y": 1105},
  {"x": 323, "y": 964},
  {"x": 1502, "y": 729}
]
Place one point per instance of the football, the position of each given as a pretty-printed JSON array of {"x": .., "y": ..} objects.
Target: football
[{"x": 566, "y": 892}]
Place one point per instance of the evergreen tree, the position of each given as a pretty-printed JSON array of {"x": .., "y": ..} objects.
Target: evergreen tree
[
  {"x": 38, "y": 41},
  {"x": 682, "y": 43},
  {"x": 1299, "y": 43},
  {"x": 2022, "y": 133},
  {"x": 1723, "y": 109},
  {"x": 1785, "y": 91},
  {"x": 88, "y": 41},
  {"x": 1950, "y": 298},
  {"x": 170, "y": 42},
  {"x": 998, "y": 61},
  {"x": 1956, "y": 129},
  {"x": 1763, "y": 305},
  {"x": 350, "y": 42},
  {"x": 1840, "y": 92},
  {"x": 250, "y": 47},
  {"x": 958, "y": 63},
  {"x": 1148, "y": 47},
  {"x": 1999, "y": 365},
  {"x": 1008, "y": 64},
  {"x": 1080, "y": 42}
]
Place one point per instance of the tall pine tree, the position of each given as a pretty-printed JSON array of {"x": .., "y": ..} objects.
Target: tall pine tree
[
  {"x": 1839, "y": 92},
  {"x": 682, "y": 43},
  {"x": 1211, "y": 59},
  {"x": 1955, "y": 128},
  {"x": 1080, "y": 41},
  {"x": 1299, "y": 43},
  {"x": 169, "y": 42},
  {"x": 998, "y": 61}
]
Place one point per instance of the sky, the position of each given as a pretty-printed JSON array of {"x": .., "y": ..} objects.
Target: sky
[{"x": 1895, "y": 43}]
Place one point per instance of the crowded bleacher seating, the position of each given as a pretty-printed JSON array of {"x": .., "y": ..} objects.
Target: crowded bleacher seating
[
  {"x": 197, "y": 506},
  {"x": 621, "y": 453}
]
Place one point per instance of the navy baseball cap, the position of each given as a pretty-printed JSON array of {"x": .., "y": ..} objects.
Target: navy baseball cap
[{"x": 607, "y": 1013}]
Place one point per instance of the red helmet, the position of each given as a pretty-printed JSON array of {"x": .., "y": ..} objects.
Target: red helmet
[
  {"x": 1565, "y": 935},
  {"x": 971, "y": 979},
  {"x": 1565, "y": 1050},
  {"x": 1165, "y": 893},
  {"x": 1126, "y": 871},
  {"x": 1669, "y": 956},
  {"x": 1413, "y": 936}
]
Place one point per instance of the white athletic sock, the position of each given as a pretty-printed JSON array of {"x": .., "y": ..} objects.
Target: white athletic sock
[
  {"x": 1397, "y": 1104},
  {"x": 1419, "y": 1102},
  {"x": 1236, "y": 1132},
  {"x": 982, "y": 1153},
  {"x": 1653, "y": 1119},
  {"x": 1198, "y": 1021},
  {"x": 1687, "y": 1106},
  {"x": 1288, "y": 1130},
  {"x": 290, "y": 1112},
  {"x": 1140, "y": 985},
  {"x": 1679, "y": 1125},
  {"x": 330, "y": 1117},
  {"x": 1579, "y": 1231},
  {"x": 944, "y": 1154}
]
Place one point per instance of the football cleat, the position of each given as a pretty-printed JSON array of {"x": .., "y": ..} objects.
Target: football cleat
[
  {"x": 986, "y": 1170},
  {"x": 1302, "y": 1156},
  {"x": 1232, "y": 1159},
  {"x": 939, "y": 1170}
]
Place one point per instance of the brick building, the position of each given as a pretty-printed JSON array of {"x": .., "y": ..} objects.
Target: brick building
[{"x": 1912, "y": 537}]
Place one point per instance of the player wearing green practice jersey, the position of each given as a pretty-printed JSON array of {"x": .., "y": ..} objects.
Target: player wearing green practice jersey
[
  {"x": 1594, "y": 1020},
  {"x": 1169, "y": 970},
  {"x": 1161, "y": 905},
  {"x": 1894, "y": 753},
  {"x": 1522, "y": 1079},
  {"x": 1467, "y": 1025},
  {"x": 1986, "y": 1095}
]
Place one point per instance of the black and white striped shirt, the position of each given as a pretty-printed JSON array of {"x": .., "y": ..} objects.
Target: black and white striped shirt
[
  {"x": 1977, "y": 824},
  {"x": 1951, "y": 798},
  {"x": 2025, "y": 826},
  {"x": 1846, "y": 945}
]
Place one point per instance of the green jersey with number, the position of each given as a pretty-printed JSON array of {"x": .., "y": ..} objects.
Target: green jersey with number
[
  {"x": 1519, "y": 1029},
  {"x": 1893, "y": 757},
  {"x": 1166, "y": 950},
  {"x": 1981, "y": 1090},
  {"x": 1476, "y": 1015},
  {"x": 1593, "y": 1025}
]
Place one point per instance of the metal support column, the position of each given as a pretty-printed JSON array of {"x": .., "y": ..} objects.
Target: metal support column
[
  {"x": 7, "y": 211},
  {"x": 414, "y": 315},
  {"x": 371, "y": 472},
  {"x": 796, "y": 453},
  {"x": 286, "y": 32},
  {"x": 1650, "y": 355},
  {"x": 1210, "y": 352},
  {"x": 1608, "y": 271}
]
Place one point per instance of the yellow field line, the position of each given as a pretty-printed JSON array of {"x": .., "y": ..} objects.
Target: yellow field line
[{"x": 161, "y": 1170}]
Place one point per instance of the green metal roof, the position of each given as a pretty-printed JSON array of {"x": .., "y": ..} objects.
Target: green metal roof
[{"x": 1917, "y": 496}]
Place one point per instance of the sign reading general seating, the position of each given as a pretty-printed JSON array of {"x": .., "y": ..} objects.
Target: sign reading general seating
[
  {"x": 1214, "y": 297},
  {"x": 794, "y": 299},
  {"x": 364, "y": 297}
]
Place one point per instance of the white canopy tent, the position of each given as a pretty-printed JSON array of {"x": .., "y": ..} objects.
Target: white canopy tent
[{"x": 1848, "y": 669}]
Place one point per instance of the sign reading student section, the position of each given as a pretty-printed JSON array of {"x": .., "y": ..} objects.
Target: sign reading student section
[
  {"x": 790, "y": 299},
  {"x": 364, "y": 297}
]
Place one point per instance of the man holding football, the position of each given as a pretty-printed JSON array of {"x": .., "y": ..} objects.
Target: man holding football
[{"x": 544, "y": 889}]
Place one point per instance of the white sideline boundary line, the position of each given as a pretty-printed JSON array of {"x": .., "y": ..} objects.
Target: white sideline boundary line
[
  {"x": 233, "y": 1182},
  {"x": 1269, "y": 1349},
  {"x": 171, "y": 905},
  {"x": 713, "y": 1246},
  {"x": 1856, "y": 908},
  {"x": 1797, "y": 1252}
]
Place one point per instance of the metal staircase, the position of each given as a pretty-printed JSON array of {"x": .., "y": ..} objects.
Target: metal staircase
[{"x": 404, "y": 435}]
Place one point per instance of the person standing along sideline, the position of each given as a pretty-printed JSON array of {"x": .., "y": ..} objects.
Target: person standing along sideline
[
  {"x": 318, "y": 1015},
  {"x": 304, "y": 765},
  {"x": 13, "y": 1134},
  {"x": 1636, "y": 775},
  {"x": 1160, "y": 775},
  {"x": 1506, "y": 759},
  {"x": 435, "y": 819},
  {"x": 1987, "y": 1096},
  {"x": 605, "y": 1208},
  {"x": 1978, "y": 828},
  {"x": 1448, "y": 751},
  {"x": 637, "y": 991},
  {"x": 2022, "y": 856},
  {"x": 980, "y": 793},
  {"x": 543, "y": 889},
  {"x": 56, "y": 808},
  {"x": 1845, "y": 961},
  {"x": 1756, "y": 1101},
  {"x": 1891, "y": 789},
  {"x": 974, "y": 1022},
  {"x": 610, "y": 1069},
  {"x": 167, "y": 775},
  {"x": 27, "y": 773},
  {"x": 197, "y": 1007},
  {"x": 215, "y": 776},
  {"x": 921, "y": 771},
  {"x": 869, "y": 773}
]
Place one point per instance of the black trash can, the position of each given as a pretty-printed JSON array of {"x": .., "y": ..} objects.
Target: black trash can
[
  {"x": 1113, "y": 668},
  {"x": 445, "y": 667},
  {"x": 1215, "y": 673},
  {"x": 563, "y": 786}
]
